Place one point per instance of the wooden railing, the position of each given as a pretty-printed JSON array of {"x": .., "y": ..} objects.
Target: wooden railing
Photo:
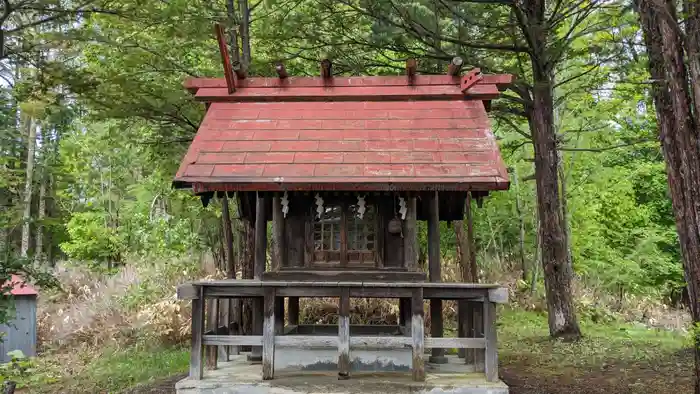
[{"x": 415, "y": 292}]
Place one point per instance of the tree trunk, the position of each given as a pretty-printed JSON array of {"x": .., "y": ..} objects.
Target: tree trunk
[
  {"x": 557, "y": 271},
  {"x": 28, "y": 186},
  {"x": 679, "y": 139},
  {"x": 247, "y": 269},
  {"x": 245, "y": 33},
  {"x": 39, "y": 255},
  {"x": 521, "y": 241},
  {"x": 233, "y": 39},
  {"x": 692, "y": 42}
]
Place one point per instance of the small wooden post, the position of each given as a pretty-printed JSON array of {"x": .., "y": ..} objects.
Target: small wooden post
[
  {"x": 281, "y": 71},
  {"x": 418, "y": 335},
  {"x": 455, "y": 66},
  {"x": 344, "y": 334},
  {"x": 293, "y": 311},
  {"x": 491, "y": 356},
  {"x": 259, "y": 268},
  {"x": 268, "y": 348},
  {"x": 411, "y": 69},
  {"x": 225, "y": 59},
  {"x": 278, "y": 259},
  {"x": 343, "y": 236},
  {"x": 326, "y": 66},
  {"x": 434, "y": 268},
  {"x": 410, "y": 240},
  {"x": 196, "y": 370}
]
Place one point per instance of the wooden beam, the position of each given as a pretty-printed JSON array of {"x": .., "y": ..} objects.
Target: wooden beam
[
  {"x": 455, "y": 343},
  {"x": 259, "y": 268},
  {"x": 410, "y": 241},
  {"x": 233, "y": 340},
  {"x": 193, "y": 84},
  {"x": 491, "y": 357},
  {"x": 411, "y": 70},
  {"x": 225, "y": 59},
  {"x": 435, "y": 272},
  {"x": 197, "y": 348},
  {"x": 268, "y": 345},
  {"x": 344, "y": 334},
  {"x": 281, "y": 71},
  {"x": 470, "y": 79},
  {"x": 417, "y": 336},
  {"x": 326, "y": 69},
  {"x": 350, "y": 93},
  {"x": 278, "y": 255},
  {"x": 455, "y": 66}
]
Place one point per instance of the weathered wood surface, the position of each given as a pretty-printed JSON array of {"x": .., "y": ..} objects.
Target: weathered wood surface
[
  {"x": 455, "y": 343},
  {"x": 268, "y": 345},
  {"x": 278, "y": 248},
  {"x": 417, "y": 335},
  {"x": 491, "y": 352},
  {"x": 232, "y": 340},
  {"x": 435, "y": 273},
  {"x": 410, "y": 233},
  {"x": 386, "y": 274},
  {"x": 196, "y": 366},
  {"x": 211, "y": 353},
  {"x": 344, "y": 334},
  {"x": 259, "y": 267}
]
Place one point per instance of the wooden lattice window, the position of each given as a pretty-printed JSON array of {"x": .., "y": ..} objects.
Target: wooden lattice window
[{"x": 342, "y": 237}]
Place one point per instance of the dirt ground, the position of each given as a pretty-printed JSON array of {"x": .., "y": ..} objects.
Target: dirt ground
[{"x": 669, "y": 376}]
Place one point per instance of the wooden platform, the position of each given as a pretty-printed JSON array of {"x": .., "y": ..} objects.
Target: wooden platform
[{"x": 412, "y": 294}]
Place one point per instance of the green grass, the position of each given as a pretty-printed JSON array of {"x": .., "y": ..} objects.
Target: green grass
[
  {"x": 117, "y": 370},
  {"x": 524, "y": 338}
]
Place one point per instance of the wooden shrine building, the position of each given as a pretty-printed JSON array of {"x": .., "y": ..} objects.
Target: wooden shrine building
[{"x": 344, "y": 168}]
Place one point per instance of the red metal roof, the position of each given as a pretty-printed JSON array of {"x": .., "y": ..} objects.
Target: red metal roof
[
  {"x": 20, "y": 287},
  {"x": 372, "y": 133}
]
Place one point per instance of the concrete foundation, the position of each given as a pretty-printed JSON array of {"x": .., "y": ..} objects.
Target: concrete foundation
[{"x": 238, "y": 376}]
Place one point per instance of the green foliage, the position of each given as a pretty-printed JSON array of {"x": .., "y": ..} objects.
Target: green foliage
[
  {"x": 18, "y": 369},
  {"x": 91, "y": 240}
]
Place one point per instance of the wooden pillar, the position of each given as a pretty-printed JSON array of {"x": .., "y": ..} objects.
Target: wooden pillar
[
  {"x": 278, "y": 247},
  {"x": 211, "y": 352},
  {"x": 279, "y": 315},
  {"x": 293, "y": 311},
  {"x": 268, "y": 334},
  {"x": 344, "y": 334},
  {"x": 434, "y": 270},
  {"x": 417, "y": 335},
  {"x": 259, "y": 268},
  {"x": 410, "y": 233},
  {"x": 475, "y": 312},
  {"x": 491, "y": 356},
  {"x": 405, "y": 314},
  {"x": 461, "y": 325},
  {"x": 235, "y": 322},
  {"x": 196, "y": 371}
]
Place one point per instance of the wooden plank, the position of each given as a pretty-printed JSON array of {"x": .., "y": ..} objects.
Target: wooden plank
[
  {"x": 455, "y": 343},
  {"x": 232, "y": 340},
  {"x": 278, "y": 247},
  {"x": 446, "y": 92},
  {"x": 344, "y": 334},
  {"x": 388, "y": 275},
  {"x": 417, "y": 336},
  {"x": 259, "y": 268},
  {"x": 193, "y": 84},
  {"x": 376, "y": 342},
  {"x": 196, "y": 350},
  {"x": 435, "y": 271},
  {"x": 499, "y": 295},
  {"x": 293, "y": 311},
  {"x": 411, "y": 236},
  {"x": 187, "y": 292},
  {"x": 268, "y": 342},
  {"x": 232, "y": 292},
  {"x": 491, "y": 356},
  {"x": 225, "y": 59},
  {"x": 307, "y": 341}
]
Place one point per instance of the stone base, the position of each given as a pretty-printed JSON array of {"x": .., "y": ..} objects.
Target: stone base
[{"x": 240, "y": 377}]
